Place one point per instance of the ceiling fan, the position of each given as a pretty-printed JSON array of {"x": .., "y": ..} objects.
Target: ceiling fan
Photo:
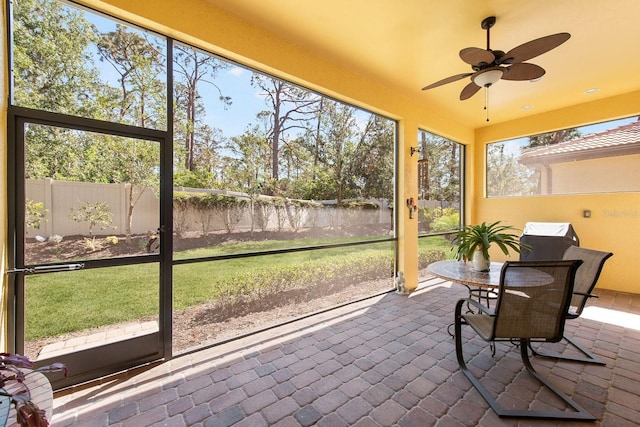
[{"x": 490, "y": 65}]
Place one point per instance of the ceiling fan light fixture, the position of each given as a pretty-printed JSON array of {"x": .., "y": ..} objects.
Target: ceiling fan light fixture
[{"x": 488, "y": 77}]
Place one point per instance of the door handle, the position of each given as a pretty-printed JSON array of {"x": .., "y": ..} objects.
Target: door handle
[{"x": 47, "y": 268}]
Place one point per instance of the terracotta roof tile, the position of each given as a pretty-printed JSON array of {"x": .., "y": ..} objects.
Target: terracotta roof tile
[{"x": 623, "y": 136}]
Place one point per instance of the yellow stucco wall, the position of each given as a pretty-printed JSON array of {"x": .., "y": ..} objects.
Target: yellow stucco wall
[{"x": 615, "y": 217}]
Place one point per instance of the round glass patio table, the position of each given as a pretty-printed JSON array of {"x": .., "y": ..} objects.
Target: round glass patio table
[
  {"x": 480, "y": 284},
  {"x": 463, "y": 273}
]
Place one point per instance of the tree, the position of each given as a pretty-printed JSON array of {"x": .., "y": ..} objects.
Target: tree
[
  {"x": 139, "y": 63},
  {"x": 443, "y": 169},
  {"x": 348, "y": 154},
  {"x": 35, "y": 213},
  {"x": 207, "y": 150},
  {"x": 52, "y": 152},
  {"x": 372, "y": 163},
  {"x": 507, "y": 177},
  {"x": 337, "y": 142},
  {"x": 441, "y": 220},
  {"x": 289, "y": 109},
  {"x": 137, "y": 163},
  {"x": 294, "y": 158},
  {"x": 322, "y": 187},
  {"x": 95, "y": 213},
  {"x": 248, "y": 166},
  {"x": 52, "y": 69},
  {"x": 193, "y": 68},
  {"x": 551, "y": 138}
]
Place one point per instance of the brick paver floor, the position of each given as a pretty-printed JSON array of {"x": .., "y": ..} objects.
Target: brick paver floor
[{"x": 381, "y": 362}]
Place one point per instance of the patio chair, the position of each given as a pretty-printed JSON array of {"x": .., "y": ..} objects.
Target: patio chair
[
  {"x": 586, "y": 278},
  {"x": 532, "y": 305}
]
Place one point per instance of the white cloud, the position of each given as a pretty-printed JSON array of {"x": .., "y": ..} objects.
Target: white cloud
[{"x": 236, "y": 71}]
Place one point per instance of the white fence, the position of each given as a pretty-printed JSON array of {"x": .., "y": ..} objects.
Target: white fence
[{"x": 60, "y": 197}]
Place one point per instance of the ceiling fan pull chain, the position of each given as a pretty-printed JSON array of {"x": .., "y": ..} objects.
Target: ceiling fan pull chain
[{"x": 486, "y": 101}]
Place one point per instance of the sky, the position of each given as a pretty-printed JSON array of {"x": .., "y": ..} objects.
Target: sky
[
  {"x": 246, "y": 101},
  {"x": 234, "y": 81}
]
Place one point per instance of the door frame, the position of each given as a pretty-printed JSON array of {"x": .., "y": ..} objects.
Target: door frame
[{"x": 110, "y": 358}]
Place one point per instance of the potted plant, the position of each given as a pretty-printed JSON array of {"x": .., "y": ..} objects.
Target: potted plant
[
  {"x": 15, "y": 371},
  {"x": 473, "y": 242}
]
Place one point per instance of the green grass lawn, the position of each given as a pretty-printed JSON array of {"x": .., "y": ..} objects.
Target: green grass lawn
[{"x": 65, "y": 302}]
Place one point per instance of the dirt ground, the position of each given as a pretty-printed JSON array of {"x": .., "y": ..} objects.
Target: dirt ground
[{"x": 74, "y": 248}]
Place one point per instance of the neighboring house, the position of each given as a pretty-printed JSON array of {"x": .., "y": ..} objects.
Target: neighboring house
[{"x": 604, "y": 162}]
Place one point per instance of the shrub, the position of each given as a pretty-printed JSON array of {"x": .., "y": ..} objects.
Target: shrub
[
  {"x": 112, "y": 240},
  {"x": 35, "y": 213},
  {"x": 270, "y": 286},
  {"x": 262, "y": 211},
  {"x": 426, "y": 258},
  {"x": 207, "y": 206},
  {"x": 95, "y": 213},
  {"x": 181, "y": 207}
]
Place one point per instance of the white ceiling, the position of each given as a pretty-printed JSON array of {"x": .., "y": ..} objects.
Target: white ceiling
[{"x": 407, "y": 44}]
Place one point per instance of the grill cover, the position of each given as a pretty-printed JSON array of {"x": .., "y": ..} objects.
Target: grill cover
[{"x": 548, "y": 240}]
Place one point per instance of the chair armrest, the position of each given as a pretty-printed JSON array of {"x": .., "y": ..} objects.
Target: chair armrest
[
  {"x": 469, "y": 301},
  {"x": 586, "y": 295}
]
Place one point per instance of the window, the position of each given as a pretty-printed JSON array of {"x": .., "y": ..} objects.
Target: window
[
  {"x": 262, "y": 168},
  {"x": 258, "y": 158},
  {"x": 565, "y": 161},
  {"x": 278, "y": 191},
  {"x": 439, "y": 184},
  {"x": 68, "y": 60}
]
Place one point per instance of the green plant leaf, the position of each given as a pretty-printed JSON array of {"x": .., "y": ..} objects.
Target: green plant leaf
[{"x": 480, "y": 237}]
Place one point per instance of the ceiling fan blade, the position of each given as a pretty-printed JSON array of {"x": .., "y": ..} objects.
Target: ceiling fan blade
[
  {"x": 447, "y": 80},
  {"x": 476, "y": 56},
  {"x": 468, "y": 91},
  {"x": 521, "y": 71},
  {"x": 533, "y": 48}
]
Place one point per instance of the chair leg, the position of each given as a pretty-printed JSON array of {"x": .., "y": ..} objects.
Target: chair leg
[
  {"x": 578, "y": 414},
  {"x": 463, "y": 366},
  {"x": 589, "y": 357}
]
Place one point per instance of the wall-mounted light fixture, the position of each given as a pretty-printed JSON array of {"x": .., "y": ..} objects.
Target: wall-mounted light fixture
[{"x": 415, "y": 150}]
